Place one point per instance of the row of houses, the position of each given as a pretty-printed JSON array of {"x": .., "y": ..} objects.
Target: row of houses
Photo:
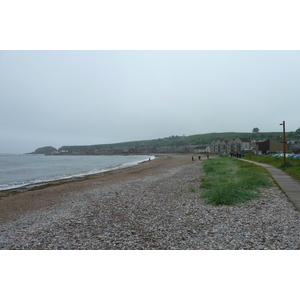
[
  {"x": 243, "y": 145},
  {"x": 237, "y": 145}
]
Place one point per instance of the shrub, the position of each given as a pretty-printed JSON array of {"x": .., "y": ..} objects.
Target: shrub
[{"x": 286, "y": 165}]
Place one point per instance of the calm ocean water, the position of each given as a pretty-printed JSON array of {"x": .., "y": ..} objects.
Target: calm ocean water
[{"x": 18, "y": 170}]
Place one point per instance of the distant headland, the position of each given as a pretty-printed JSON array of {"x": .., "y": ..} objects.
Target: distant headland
[{"x": 45, "y": 150}]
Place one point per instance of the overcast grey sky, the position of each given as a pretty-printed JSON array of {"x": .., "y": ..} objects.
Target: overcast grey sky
[{"x": 92, "y": 97}]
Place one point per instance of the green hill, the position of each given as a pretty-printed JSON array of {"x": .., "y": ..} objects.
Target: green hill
[{"x": 198, "y": 139}]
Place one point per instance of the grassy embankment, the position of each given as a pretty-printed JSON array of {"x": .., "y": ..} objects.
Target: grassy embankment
[
  {"x": 292, "y": 166},
  {"x": 229, "y": 181}
]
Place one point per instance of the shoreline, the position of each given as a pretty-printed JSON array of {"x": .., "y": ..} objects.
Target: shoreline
[
  {"x": 16, "y": 201},
  {"x": 36, "y": 184},
  {"x": 154, "y": 205}
]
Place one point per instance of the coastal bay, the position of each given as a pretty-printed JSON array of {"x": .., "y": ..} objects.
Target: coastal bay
[
  {"x": 153, "y": 205},
  {"x": 15, "y": 202}
]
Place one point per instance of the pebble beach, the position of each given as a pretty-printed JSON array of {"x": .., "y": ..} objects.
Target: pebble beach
[{"x": 154, "y": 205}]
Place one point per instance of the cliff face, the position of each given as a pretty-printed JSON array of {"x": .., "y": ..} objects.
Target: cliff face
[{"x": 44, "y": 150}]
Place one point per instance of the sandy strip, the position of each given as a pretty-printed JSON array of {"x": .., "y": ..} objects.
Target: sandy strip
[{"x": 19, "y": 201}]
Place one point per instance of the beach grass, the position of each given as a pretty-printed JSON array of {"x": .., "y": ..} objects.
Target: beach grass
[{"x": 229, "y": 181}]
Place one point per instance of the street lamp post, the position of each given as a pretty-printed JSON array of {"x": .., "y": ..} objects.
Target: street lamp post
[{"x": 284, "y": 142}]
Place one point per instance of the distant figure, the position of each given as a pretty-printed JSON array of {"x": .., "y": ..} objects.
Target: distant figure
[
  {"x": 149, "y": 158},
  {"x": 199, "y": 157},
  {"x": 192, "y": 158},
  {"x": 207, "y": 156}
]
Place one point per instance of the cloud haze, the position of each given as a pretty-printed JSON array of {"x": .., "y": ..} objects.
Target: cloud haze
[{"x": 93, "y": 97}]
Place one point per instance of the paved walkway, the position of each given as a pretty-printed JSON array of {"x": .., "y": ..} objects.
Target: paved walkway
[{"x": 289, "y": 185}]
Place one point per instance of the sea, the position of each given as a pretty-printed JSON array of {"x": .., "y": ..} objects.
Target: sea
[{"x": 22, "y": 170}]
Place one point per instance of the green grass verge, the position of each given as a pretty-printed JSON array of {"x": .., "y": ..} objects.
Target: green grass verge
[
  {"x": 292, "y": 166},
  {"x": 229, "y": 181}
]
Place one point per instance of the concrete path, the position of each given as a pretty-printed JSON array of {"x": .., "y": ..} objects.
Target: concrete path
[{"x": 289, "y": 185}]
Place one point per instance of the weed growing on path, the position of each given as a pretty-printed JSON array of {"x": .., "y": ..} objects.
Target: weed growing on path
[{"x": 192, "y": 190}]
